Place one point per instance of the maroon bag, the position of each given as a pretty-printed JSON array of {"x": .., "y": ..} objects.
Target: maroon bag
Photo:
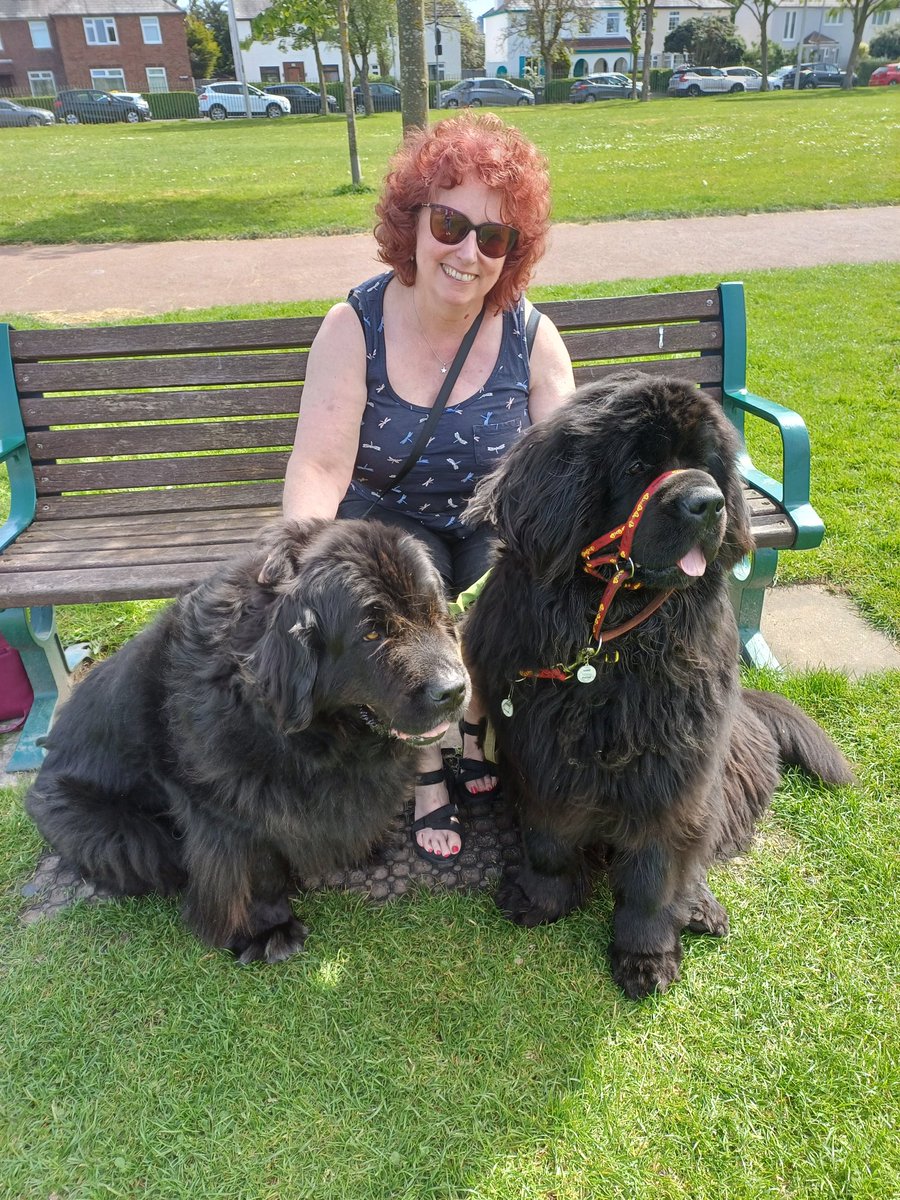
[{"x": 16, "y": 696}]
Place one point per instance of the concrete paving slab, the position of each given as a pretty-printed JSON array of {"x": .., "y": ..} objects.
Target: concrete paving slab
[{"x": 808, "y": 626}]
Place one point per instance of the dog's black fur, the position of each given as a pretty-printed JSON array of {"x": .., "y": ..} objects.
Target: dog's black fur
[
  {"x": 259, "y": 729},
  {"x": 663, "y": 760}
]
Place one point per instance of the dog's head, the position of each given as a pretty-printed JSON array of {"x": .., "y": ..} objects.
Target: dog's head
[
  {"x": 580, "y": 473},
  {"x": 351, "y": 615}
]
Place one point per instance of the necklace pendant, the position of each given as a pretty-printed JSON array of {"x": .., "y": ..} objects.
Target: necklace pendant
[{"x": 443, "y": 370}]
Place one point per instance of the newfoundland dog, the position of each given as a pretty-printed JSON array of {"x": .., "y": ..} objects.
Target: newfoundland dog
[
  {"x": 264, "y": 727},
  {"x": 607, "y": 650}
]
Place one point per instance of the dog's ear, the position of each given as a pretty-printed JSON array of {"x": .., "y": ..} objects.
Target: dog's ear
[
  {"x": 282, "y": 667},
  {"x": 535, "y": 497},
  {"x": 281, "y": 546}
]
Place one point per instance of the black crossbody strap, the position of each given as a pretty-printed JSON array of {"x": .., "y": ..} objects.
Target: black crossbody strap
[
  {"x": 531, "y": 328},
  {"x": 440, "y": 400}
]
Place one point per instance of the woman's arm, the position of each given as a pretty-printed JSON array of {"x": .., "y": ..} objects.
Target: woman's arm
[
  {"x": 552, "y": 380},
  {"x": 334, "y": 398}
]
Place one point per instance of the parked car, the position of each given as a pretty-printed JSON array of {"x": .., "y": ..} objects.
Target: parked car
[
  {"x": 776, "y": 79},
  {"x": 91, "y": 106},
  {"x": 17, "y": 114},
  {"x": 473, "y": 93},
  {"x": 611, "y": 85},
  {"x": 220, "y": 100},
  {"x": 748, "y": 76},
  {"x": 886, "y": 76},
  {"x": 816, "y": 75},
  {"x": 701, "y": 81},
  {"x": 385, "y": 98},
  {"x": 301, "y": 98}
]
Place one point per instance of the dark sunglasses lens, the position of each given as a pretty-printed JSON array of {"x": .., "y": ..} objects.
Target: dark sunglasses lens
[
  {"x": 449, "y": 227},
  {"x": 496, "y": 240}
]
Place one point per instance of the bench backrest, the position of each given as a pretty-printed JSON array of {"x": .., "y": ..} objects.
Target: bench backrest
[{"x": 131, "y": 418}]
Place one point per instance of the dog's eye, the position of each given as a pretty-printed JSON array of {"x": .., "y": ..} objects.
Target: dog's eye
[
  {"x": 372, "y": 636},
  {"x": 636, "y": 468}
]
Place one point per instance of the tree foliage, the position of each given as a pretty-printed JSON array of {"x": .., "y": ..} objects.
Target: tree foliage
[
  {"x": 761, "y": 10},
  {"x": 545, "y": 23},
  {"x": 886, "y": 44},
  {"x": 214, "y": 15},
  {"x": 203, "y": 49},
  {"x": 710, "y": 41},
  {"x": 300, "y": 24},
  {"x": 860, "y": 11}
]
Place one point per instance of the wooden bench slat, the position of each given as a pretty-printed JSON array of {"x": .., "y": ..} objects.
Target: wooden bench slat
[
  {"x": 642, "y": 340},
  {"x": 143, "y": 528},
  {"x": 181, "y": 371},
  {"x": 32, "y": 345},
  {"x": 161, "y": 406},
  {"x": 152, "y": 502},
  {"x": 59, "y": 559},
  {"x": 705, "y": 371},
  {"x": 633, "y": 310},
  {"x": 52, "y": 479},
  {"x": 104, "y": 585},
  {"x": 107, "y": 441}
]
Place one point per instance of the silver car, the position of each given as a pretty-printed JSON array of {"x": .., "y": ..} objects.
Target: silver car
[
  {"x": 220, "y": 100},
  {"x": 473, "y": 93},
  {"x": 17, "y": 114},
  {"x": 701, "y": 81}
]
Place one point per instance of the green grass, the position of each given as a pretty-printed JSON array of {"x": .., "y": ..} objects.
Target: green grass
[{"x": 241, "y": 179}]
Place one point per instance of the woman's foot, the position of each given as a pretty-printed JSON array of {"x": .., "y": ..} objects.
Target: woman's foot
[
  {"x": 473, "y": 759},
  {"x": 441, "y": 842}
]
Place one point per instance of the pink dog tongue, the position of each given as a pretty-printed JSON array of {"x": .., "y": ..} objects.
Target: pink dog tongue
[{"x": 693, "y": 562}]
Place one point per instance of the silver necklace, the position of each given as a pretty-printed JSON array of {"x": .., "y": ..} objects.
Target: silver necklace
[{"x": 445, "y": 367}]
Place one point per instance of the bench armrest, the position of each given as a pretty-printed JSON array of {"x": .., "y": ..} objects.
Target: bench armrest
[
  {"x": 13, "y": 450},
  {"x": 793, "y": 492}
]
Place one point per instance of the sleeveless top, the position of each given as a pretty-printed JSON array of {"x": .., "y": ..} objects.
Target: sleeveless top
[{"x": 465, "y": 444}]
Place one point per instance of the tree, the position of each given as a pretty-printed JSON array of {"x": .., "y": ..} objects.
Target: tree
[
  {"x": 413, "y": 73},
  {"x": 761, "y": 10},
  {"x": 545, "y": 23},
  {"x": 860, "y": 11},
  {"x": 368, "y": 22},
  {"x": 634, "y": 10},
  {"x": 214, "y": 15},
  {"x": 708, "y": 40},
  {"x": 649, "y": 15},
  {"x": 203, "y": 49},
  {"x": 887, "y": 44},
  {"x": 300, "y": 24}
]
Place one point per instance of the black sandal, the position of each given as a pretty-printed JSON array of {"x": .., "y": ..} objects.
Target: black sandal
[
  {"x": 475, "y": 768},
  {"x": 445, "y": 817}
]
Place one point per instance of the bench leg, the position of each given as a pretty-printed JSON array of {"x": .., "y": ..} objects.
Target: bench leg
[
  {"x": 33, "y": 633},
  {"x": 749, "y": 581}
]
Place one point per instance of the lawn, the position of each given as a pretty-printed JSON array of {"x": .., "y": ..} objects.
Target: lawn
[
  {"x": 240, "y": 179},
  {"x": 427, "y": 1050}
]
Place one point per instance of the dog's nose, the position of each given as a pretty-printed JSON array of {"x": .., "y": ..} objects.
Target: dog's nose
[
  {"x": 703, "y": 504},
  {"x": 447, "y": 692}
]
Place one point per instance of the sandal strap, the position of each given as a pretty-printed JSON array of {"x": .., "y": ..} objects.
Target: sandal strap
[
  {"x": 424, "y": 778},
  {"x": 440, "y": 818},
  {"x": 473, "y": 729},
  {"x": 475, "y": 768}
]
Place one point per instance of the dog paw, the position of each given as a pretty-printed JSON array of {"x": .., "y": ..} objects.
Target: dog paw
[
  {"x": 706, "y": 915},
  {"x": 640, "y": 975},
  {"x": 271, "y": 945},
  {"x": 516, "y": 906}
]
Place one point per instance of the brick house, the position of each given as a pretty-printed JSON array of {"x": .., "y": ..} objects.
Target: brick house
[{"x": 117, "y": 45}]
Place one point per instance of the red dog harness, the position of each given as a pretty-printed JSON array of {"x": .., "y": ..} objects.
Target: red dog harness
[{"x": 582, "y": 668}]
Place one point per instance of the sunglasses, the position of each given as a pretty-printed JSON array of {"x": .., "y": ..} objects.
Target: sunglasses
[{"x": 451, "y": 227}]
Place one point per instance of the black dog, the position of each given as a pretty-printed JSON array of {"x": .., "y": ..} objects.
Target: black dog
[
  {"x": 647, "y": 747},
  {"x": 264, "y": 726}
]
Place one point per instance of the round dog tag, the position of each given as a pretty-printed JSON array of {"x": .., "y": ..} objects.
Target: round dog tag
[
  {"x": 506, "y": 707},
  {"x": 586, "y": 673}
]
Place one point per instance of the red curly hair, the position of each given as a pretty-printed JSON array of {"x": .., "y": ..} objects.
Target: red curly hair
[{"x": 467, "y": 146}]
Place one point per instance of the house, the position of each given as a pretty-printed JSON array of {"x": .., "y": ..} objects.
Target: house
[
  {"x": 279, "y": 62},
  {"x": 116, "y": 45},
  {"x": 822, "y": 32},
  {"x": 599, "y": 45}
]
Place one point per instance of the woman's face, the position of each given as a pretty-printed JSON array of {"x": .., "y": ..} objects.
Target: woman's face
[{"x": 458, "y": 274}]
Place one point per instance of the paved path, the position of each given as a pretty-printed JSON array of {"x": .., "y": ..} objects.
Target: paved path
[{"x": 106, "y": 281}]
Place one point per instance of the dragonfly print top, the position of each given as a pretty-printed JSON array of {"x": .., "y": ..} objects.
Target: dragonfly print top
[{"x": 467, "y": 441}]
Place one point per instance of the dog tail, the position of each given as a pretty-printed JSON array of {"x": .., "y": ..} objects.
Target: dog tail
[{"x": 800, "y": 741}]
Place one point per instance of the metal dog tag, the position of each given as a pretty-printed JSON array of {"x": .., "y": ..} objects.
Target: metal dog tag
[
  {"x": 586, "y": 673},
  {"x": 506, "y": 707}
]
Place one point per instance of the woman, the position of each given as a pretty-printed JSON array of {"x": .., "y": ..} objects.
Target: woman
[{"x": 462, "y": 222}]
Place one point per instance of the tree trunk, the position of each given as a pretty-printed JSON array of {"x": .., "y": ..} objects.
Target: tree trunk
[
  {"x": 764, "y": 56},
  {"x": 648, "y": 48},
  {"x": 320, "y": 73},
  {"x": 413, "y": 71},
  {"x": 355, "y": 176}
]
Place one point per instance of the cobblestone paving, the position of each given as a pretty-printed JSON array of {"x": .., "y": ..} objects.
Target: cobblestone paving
[{"x": 394, "y": 868}]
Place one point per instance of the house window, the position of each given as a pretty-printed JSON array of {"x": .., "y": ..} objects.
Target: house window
[
  {"x": 269, "y": 75},
  {"x": 156, "y": 79},
  {"x": 40, "y": 35},
  {"x": 674, "y": 20},
  {"x": 100, "y": 31},
  {"x": 42, "y": 83},
  {"x": 150, "y": 31},
  {"x": 882, "y": 18},
  {"x": 834, "y": 16},
  {"x": 643, "y": 22},
  {"x": 111, "y": 79},
  {"x": 612, "y": 22},
  {"x": 790, "y": 27}
]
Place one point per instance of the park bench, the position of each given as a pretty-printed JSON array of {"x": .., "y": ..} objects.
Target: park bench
[{"x": 139, "y": 456}]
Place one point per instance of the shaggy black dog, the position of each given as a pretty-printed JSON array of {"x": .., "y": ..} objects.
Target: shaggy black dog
[
  {"x": 648, "y": 747},
  {"x": 265, "y": 726}
]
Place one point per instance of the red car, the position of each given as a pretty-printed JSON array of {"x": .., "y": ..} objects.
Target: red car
[{"x": 886, "y": 76}]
